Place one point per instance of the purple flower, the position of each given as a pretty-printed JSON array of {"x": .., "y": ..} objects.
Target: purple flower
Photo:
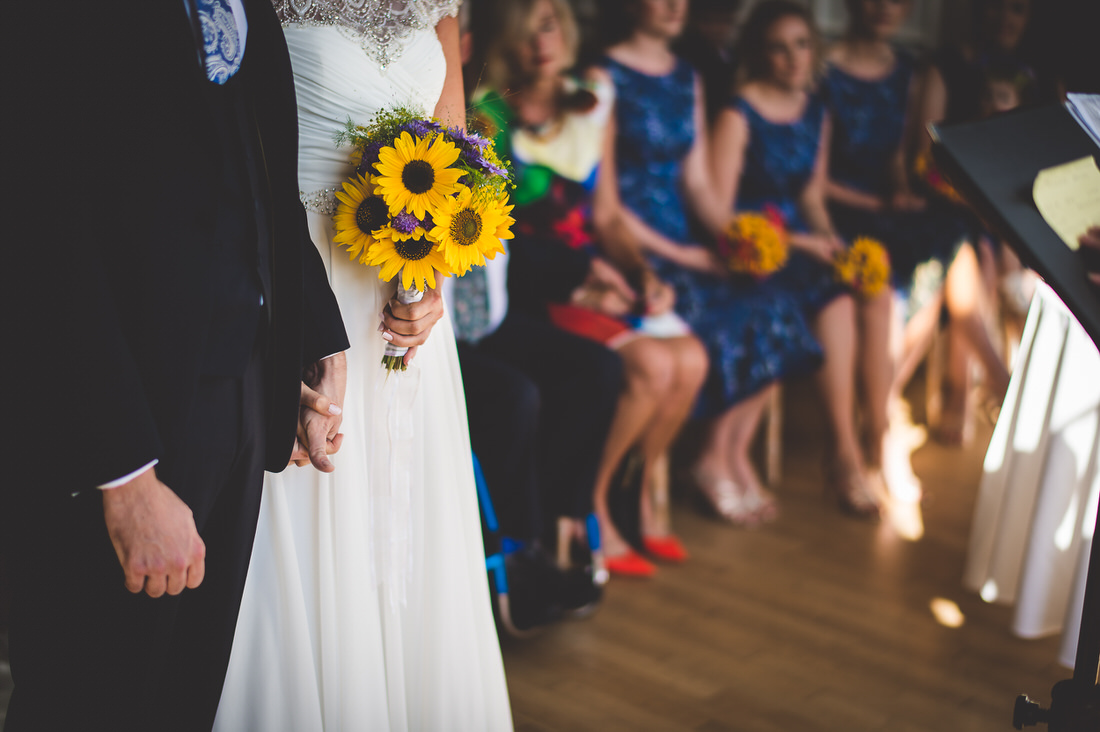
[
  {"x": 370, "y": 157},
  {"x": 468, "y": 139},
  {"x": 475, "y": 157},
  {"x": 405, "y": 222},
  {"x": 421, "y": 127},
  {"x": 480, "y": 162}
]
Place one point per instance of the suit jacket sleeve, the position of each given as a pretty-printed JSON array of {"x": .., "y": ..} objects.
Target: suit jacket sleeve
[{"x": 324, "y": 332}]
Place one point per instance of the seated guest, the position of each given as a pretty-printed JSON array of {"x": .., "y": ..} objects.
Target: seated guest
[
  {"x": 539, "y": 402},
  {"x": 770, "y": 147},
  {"x": 553, "y": 127},
  {"x": 870, "y": 87},
  {"x": 956, "y": 88},
  {"x": 656, "y": 165}
]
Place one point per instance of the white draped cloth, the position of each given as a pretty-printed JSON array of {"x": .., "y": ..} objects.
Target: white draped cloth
[
  {"x": 1036, "y": 509},
  {"x": 367, "y": 605}
]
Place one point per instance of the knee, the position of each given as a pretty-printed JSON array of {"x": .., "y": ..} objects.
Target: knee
[
  {"x": 650, "y": 366},
  {"x": 693, "y": 362},
  {"x": 841, "y": 311}
]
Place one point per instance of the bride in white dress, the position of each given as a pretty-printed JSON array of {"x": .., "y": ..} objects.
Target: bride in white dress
[{"x": 366, "y": 605}]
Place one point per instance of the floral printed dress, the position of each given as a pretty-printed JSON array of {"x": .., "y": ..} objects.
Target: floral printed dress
[
  {"x": 868, "y": 120},
  {"x": 755, "y": 333}
]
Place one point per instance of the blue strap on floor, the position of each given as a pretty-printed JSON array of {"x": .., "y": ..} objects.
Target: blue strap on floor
[
  {"x": 593, "y": 527},
  {"x": 483, "y": 497},
  {"x": 493, "y": 562}
]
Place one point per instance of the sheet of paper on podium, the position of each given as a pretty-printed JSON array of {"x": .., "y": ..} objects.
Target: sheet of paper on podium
[
  {"x": 1068, "y": 197},
  {"x": 996, "y": 164}
]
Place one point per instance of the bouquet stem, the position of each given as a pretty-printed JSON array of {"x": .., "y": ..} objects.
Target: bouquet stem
[{"x": 394, "y": 357}]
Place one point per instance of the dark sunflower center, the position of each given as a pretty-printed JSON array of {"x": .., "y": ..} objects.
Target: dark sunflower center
[
  {"x": 413, "y": 249},
  {"x": 418, "y": 176},
  {"x": 466, "y": 227},
  {"x": 371, "y": 214}
]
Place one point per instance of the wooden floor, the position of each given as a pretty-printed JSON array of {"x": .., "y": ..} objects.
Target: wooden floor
[{"x": 817, "y": 622}]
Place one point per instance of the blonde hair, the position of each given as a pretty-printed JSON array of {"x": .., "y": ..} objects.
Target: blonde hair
[{"x": 512, "y": 25}]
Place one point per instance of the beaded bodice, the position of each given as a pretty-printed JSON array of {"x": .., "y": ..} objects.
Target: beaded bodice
[{"x": 382, "y": 28}]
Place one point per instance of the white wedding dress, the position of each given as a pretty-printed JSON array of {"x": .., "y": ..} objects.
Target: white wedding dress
[{"x": 366, "y": 606}]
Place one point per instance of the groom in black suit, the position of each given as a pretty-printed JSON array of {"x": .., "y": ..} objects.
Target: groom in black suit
[{"x": 163, "y": 300}]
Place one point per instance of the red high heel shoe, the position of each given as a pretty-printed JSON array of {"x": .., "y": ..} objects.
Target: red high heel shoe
[
  {"x": 667, "y": 548},
  {"x": 630, "y": 564}
]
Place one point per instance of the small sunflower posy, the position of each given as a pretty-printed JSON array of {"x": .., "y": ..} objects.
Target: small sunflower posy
[
  {"x": 425, "y": 201},
  {"x": 864, "y": 266},
  {"x": 755, "y": 243}
]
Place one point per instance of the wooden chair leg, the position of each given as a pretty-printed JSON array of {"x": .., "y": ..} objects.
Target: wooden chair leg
[
  {"x": 933, "y": 378},
  {"x": 773, "y": 443},
  {"x": 659, "y": 481},
  {"x": 566, "y": 532}
]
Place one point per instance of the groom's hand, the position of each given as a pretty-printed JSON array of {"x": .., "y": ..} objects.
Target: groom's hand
[
  {"x": 154, "y": 536},
  {"x": 320, "y": 414},
  {"x": 409, "y": 325}
]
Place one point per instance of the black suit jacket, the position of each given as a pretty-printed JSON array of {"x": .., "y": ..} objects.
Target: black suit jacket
[{"x": 112, "y": 152}]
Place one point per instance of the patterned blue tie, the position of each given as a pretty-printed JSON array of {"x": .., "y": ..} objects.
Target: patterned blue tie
[
  {"x": 221, "y": 40},
  {"x": 471, "y": 304}
]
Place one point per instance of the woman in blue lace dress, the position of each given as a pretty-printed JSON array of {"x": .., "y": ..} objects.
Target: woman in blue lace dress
[
  {"x": 769, "y": 149},
  {"x": 871, "y": 90},
  {"x": 754, "y": 336}
]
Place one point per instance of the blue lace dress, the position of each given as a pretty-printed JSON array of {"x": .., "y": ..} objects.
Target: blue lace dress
[
  {"x": 754, "y": 335},
  {"x": 868, "y": 119},
  {"x": 779, "y": 161}
]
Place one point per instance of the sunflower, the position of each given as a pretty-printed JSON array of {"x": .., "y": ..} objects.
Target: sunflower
[
  {"x": 414, "y": 174},
  {"x": 466, "y": 229},
  {"x": 416, "y": 257},
  {"x": 754, "y": 245},
  {"x": 864, "y": 266},
  {"x": 359, "y": 214},
  {"x": 504, "y": 228}
]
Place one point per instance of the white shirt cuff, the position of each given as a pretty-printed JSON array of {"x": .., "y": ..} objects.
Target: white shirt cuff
[{"x": 128, "y": 477}]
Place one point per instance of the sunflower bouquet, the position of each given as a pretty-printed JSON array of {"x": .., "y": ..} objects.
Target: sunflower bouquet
[
  {"x": 755, "y": 243},
  {"x": 864, "y": 266},
  {"x": 425, "y": 200}
]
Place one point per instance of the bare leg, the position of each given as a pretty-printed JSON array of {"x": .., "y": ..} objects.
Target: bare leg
[
  {"x": 876, "y": 371},
  {"x": 758, "y": 499},
  {"x": 835, "y": 328},
  {"x": 690, "y": 359},
  {"x": 967, "y": 302},
  {"x": 648, "y": 370},
  {"x": 724, "y": 471},
  {"x": 911, "y": 344},
  {"x": 918, "y": 335}
]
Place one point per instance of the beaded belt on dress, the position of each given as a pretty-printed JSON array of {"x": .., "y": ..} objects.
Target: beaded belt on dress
[{"x": 322, "y": 201}]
